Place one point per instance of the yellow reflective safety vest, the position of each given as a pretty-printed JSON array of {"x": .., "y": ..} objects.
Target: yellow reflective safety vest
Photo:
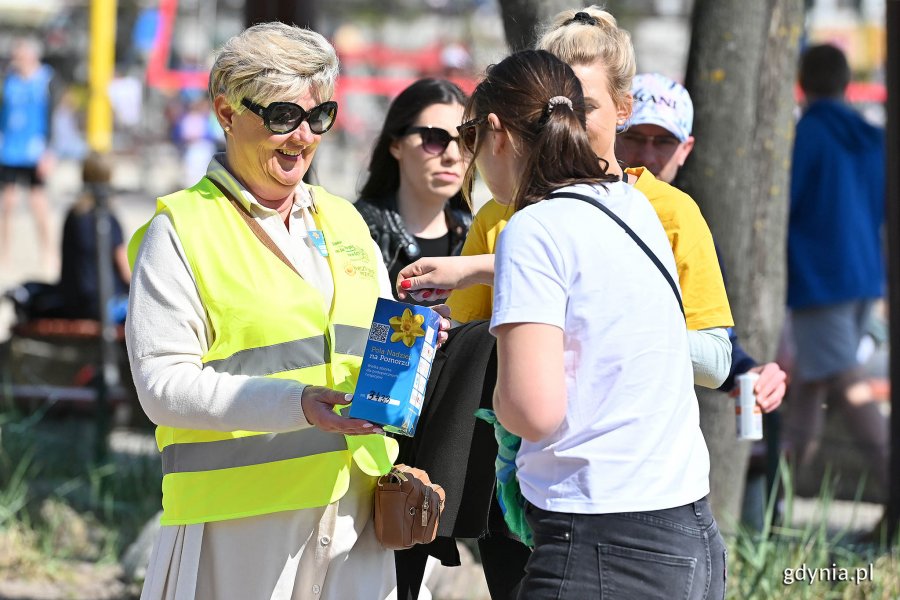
[{"x": 265, "y": 320}]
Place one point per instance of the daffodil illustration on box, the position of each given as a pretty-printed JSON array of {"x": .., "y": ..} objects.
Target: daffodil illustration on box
[
  {"x": 396, "y": 364},
  {"x": 407, "y": 328}
]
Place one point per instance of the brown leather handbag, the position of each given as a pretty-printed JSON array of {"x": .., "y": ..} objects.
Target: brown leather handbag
[{"x": 407, "y": 508}]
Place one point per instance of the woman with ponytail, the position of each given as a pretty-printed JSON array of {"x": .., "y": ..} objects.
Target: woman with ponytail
[
  {"x": 601, "y": 55},
  {"x": 613, "y": 466}
]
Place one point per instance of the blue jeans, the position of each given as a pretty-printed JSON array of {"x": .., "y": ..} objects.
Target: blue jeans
[{"x": 671, "y": 554}]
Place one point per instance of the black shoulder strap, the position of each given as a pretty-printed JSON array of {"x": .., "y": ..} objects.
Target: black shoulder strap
[{"x": 631, "y": 233}]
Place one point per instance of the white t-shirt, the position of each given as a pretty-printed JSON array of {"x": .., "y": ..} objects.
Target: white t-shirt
[{"x": 631, "y": 439}]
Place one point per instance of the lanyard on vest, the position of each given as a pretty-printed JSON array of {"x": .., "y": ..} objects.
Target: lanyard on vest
[{"x": 255, "y": 227}]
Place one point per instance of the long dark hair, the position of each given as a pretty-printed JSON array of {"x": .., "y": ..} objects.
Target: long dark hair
[
  {"x": 553, "y": 139},
  {"x": 384, "y": 170}
]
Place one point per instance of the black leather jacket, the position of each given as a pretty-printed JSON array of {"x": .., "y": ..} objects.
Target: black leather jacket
[{"x": 399, "y": 246}]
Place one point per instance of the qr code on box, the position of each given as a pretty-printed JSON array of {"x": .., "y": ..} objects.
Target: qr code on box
[{"x": 379, "y": 332}]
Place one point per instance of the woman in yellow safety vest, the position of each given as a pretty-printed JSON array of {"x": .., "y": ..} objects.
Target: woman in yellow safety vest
[{"x": 250, "y": 306}]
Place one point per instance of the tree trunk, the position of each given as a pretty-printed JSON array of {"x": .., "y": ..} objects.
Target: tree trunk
[
  {"x": 303, "y": 14},
  {"x": 523, "y": 18},
  {"x": 741, "y": 73}
]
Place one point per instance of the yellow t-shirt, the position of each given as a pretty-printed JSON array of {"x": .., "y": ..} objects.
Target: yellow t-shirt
[
  {"x": 477, "y": 302},
  {"x": 702, "y": 287}
]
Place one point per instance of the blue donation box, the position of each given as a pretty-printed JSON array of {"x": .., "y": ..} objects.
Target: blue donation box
[{"x": 395, "y": 367}]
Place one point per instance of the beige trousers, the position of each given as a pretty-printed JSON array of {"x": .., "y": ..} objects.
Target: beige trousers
[{"x": 326, "y": 553}]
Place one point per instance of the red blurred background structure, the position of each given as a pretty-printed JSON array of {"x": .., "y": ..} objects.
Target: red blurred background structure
[{"x": 422, "y": 62}]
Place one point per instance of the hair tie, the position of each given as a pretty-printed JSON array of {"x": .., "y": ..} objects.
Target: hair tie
[
  {"x": 583, "y": 18},
  {"x": 556, "y": 100}
]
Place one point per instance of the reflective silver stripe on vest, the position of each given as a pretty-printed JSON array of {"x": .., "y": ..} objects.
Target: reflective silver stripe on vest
[
  {"x": 246, "y": 451},
  {"x": 298, "y": 354},
  {"x": 350, "y": 340},
  {"x": 277, "y": 358}
]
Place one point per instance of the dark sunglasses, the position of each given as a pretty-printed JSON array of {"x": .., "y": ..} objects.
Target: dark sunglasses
[
  {"x": 434, "y": 139},
  {"x": 468, "y": 133},
  {"x": 285, "y": 117}
]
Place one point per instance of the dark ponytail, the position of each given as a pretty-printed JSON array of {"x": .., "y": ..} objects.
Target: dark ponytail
[{"x": 552, "y": 134}]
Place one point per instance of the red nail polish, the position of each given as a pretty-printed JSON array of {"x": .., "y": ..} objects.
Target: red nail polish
[
  {"x": 406, "y": 284},
  {"x": 426, "y": 294}
]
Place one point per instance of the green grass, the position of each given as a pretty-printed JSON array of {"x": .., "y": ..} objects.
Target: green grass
[
  {"x": 57, "y": 505},
  {"x": 769, "y": 564}
]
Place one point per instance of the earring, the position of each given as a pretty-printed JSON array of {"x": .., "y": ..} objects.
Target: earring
[{"x": 227, "y": 128}]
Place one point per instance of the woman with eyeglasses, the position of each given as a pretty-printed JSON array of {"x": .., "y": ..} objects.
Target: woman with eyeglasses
[
  {"x": 612, "y": 465},
  {"x": 411, "y": 199},
  {"x": 251, "y": 297}
]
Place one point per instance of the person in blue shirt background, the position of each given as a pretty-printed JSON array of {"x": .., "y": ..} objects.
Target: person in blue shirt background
[
  {"x": 835, "y": 264},
  {"x": 25, "y": 158}
]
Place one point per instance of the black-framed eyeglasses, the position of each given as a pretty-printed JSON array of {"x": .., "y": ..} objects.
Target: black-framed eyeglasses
[
  {"x": 661, "y": 144},
  {"x": 434, "y": 139},
  {"x": 468, "y": 133},
  {"x": 285, "y": 117}
]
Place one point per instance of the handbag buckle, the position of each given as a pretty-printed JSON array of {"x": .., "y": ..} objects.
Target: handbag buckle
[{"x": 396, "y": 476}]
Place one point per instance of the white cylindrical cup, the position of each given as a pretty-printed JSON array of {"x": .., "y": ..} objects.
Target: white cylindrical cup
[{"x": 748, "y": 414}]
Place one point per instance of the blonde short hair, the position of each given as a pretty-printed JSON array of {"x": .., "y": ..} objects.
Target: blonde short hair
[
  {"x": 274, "y": 62},
  {"x": 579, "y": 43}
]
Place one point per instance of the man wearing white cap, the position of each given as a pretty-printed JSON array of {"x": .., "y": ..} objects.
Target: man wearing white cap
[
  {"x": 659, "y": 132},
  {"x": 658, "y": 137}
]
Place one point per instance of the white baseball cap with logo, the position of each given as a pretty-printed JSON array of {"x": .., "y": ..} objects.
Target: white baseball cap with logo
[{"x": 661, "y": 101}]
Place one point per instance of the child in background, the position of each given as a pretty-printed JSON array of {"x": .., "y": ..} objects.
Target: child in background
[{"x": 79, "y": 278}]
